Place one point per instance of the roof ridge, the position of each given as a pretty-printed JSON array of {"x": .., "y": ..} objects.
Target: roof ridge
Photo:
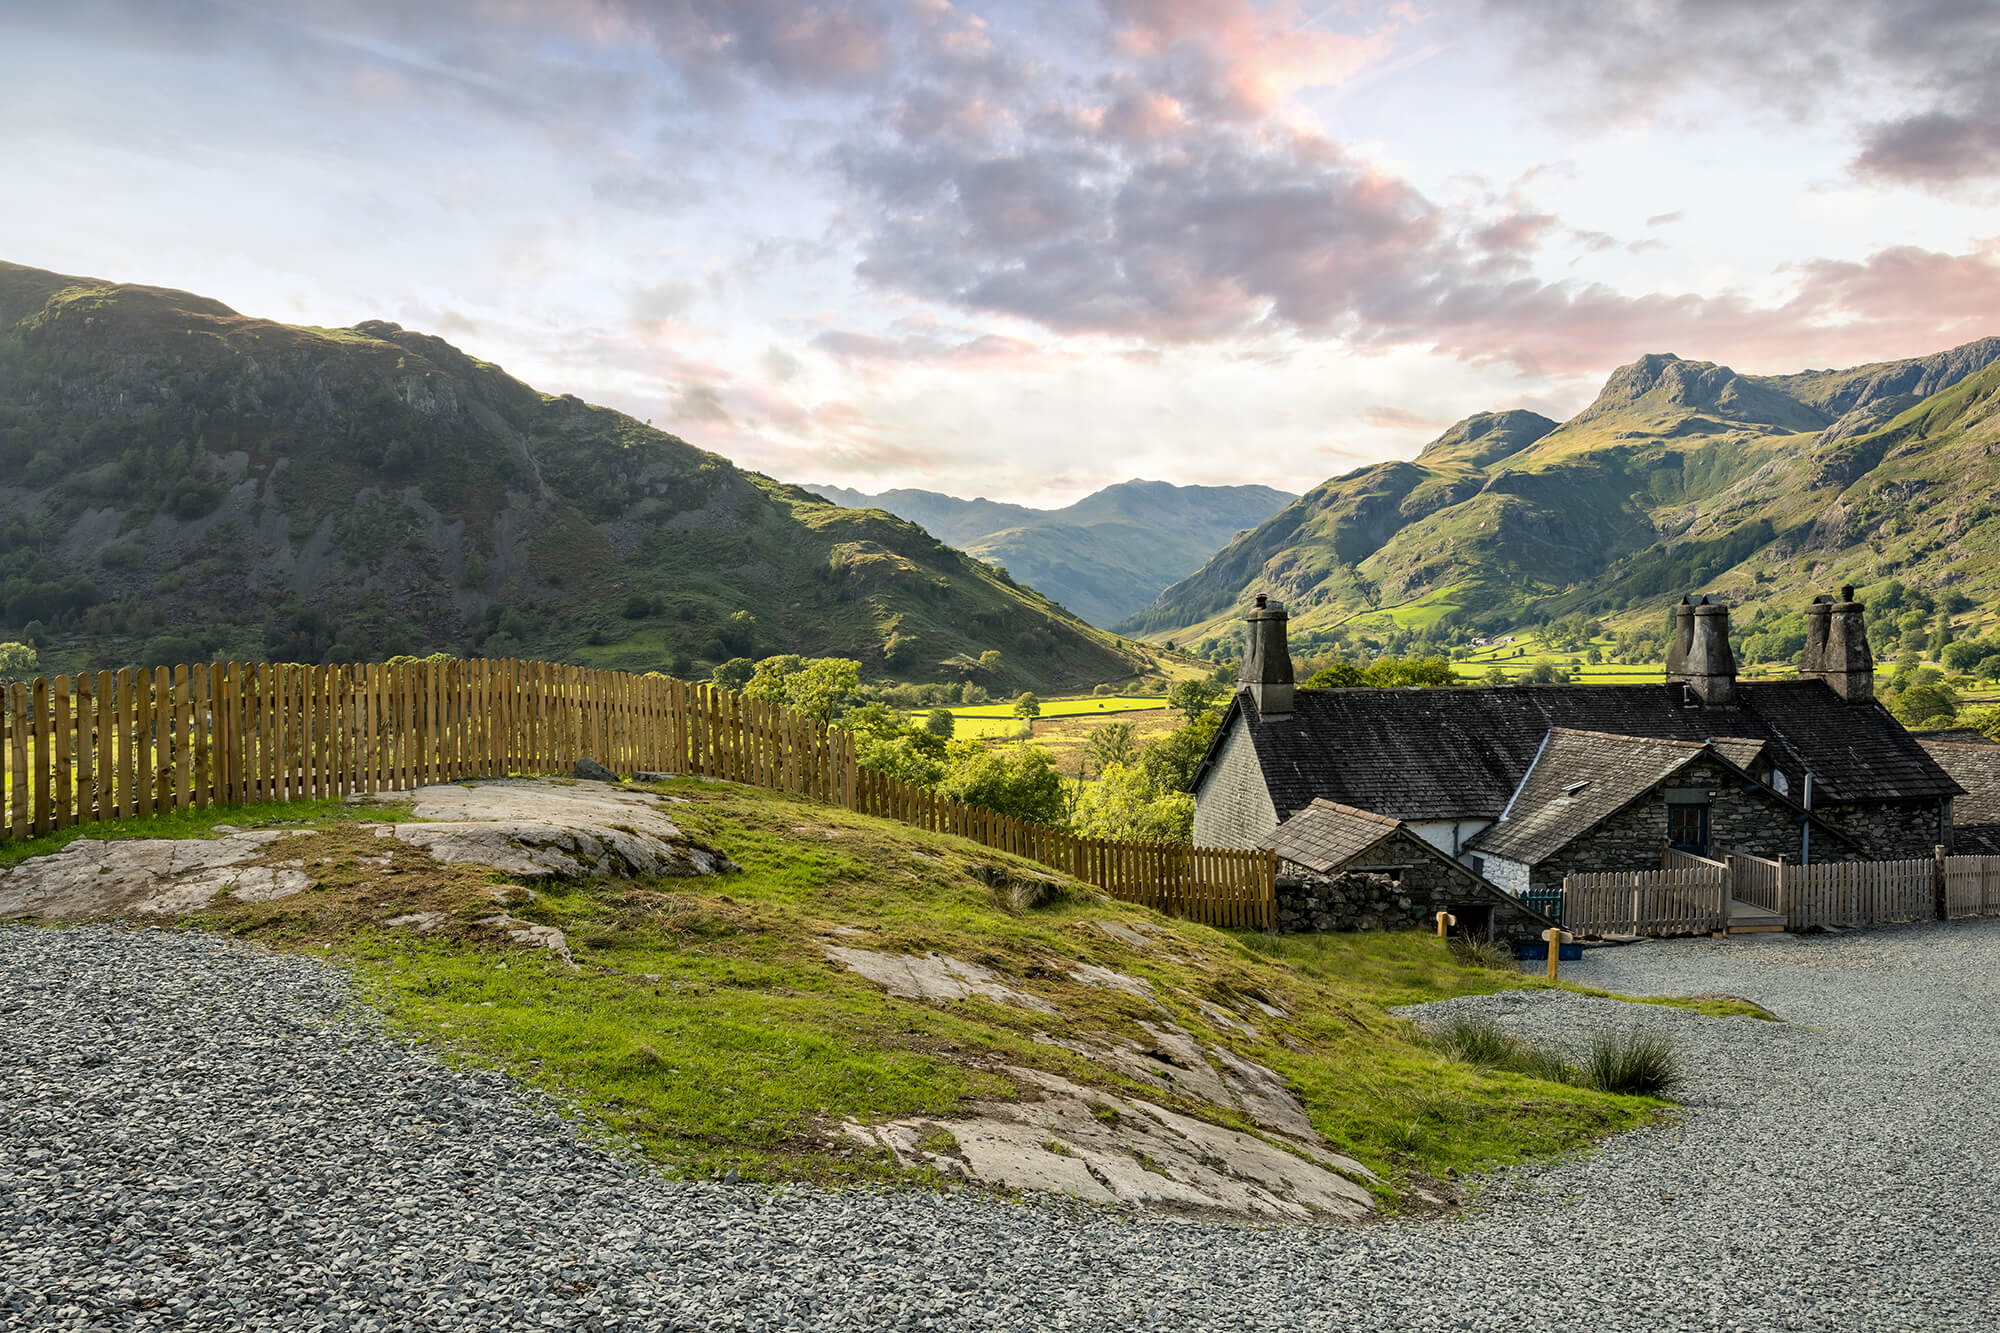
[
  {"x": 1355, "y": 810},
  {"x": 1629, "y": 737}
]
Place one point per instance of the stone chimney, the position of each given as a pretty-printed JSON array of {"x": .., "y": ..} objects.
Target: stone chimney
[
  {"x": 1267, "y": 660},
  {"x": 1812, "y": 661},
  {"x": 1699, "y": 656},
  {"x": 1680, "y": 640},
  {"x": 1837, "y": 649}
]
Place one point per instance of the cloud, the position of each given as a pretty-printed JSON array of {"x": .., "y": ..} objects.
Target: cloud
[
  {"x": 1937, "y": 62},
  {"x": 987, "y": 351},
  {"x": 1663, "y": 219},
  {"x": 1395, "y": 418},
  {"x": 660, "y": 302},
  {"x": 700, "y": 403}
]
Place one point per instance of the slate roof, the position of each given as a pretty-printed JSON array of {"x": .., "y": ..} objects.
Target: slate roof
[
  {"x": 1326, "y": 835},
  {"x": 1458, "y": 752},
  {"x": 1958, "y": 735},
  {"x": 1580, "y": 779},
  {"x": 1976, "y": 768}
]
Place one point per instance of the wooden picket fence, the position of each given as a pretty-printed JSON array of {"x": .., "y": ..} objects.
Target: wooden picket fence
[
  {"x": 1860, "y": 893},
  {"x": 1828, "y": 894},
  {"x": 1692, "y": 901},
  {"x": 128, "y": 744}
]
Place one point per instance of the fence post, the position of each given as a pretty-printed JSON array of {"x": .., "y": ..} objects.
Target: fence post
[{"x": 1939, "y": 898}]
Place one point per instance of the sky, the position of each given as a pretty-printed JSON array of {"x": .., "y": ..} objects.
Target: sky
[{"x": 1022, "y": 249}]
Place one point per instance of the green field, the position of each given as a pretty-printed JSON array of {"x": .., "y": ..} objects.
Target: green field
[{"x": 987, "y": 722}]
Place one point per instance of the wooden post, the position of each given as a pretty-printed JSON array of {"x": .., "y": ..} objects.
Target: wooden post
[
  {"x": 1556, "y": 939},
  {"x": 1939, "y": 899},
  {"x": 1445, "y": 921}
]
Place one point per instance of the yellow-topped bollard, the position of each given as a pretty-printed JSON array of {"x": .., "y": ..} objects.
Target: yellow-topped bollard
[{"x": 1556, "y": 939}]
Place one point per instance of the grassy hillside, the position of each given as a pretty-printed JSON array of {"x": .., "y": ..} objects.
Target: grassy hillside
[
  {"x": 178, "y": 481},
  {"x": 1681, "y": 475},
  {"x": 704, "y": 1020},
  {"x": 1103, "y": 557}
]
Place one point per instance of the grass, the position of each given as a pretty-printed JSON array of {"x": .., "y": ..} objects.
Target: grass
[{"x": 706, "y": 1023}]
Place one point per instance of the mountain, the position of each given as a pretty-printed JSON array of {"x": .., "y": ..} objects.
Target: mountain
[
  {"x": 1103, "y": 557},
  {"x": 1680, "y": 475},
  {"x": 178, "y": 481}
]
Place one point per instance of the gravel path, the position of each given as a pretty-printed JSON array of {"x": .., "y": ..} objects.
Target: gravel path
[{"x": 196, "y": 1136}]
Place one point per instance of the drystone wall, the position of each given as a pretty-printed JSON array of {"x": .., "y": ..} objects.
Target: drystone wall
[{"x": 1397, "y": 886}]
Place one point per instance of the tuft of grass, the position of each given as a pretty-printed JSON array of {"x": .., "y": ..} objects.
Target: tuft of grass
[
  {"x": 1481, "y": 1043},
  {"x": 1635, "y": 1062},
  {"x": 1495, "y": 954}
]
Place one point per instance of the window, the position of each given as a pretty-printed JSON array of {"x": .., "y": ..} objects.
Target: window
[{"x": 1687, "y": 827}]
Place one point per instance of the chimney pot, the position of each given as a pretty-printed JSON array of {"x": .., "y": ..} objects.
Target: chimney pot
[
  {"x": 1847, "y": 592},
  {"x": 1710, "y": 666},
  {"x": 1267, "y": 660}
]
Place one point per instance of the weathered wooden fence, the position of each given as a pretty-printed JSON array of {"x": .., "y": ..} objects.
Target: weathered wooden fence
[
  {"x": 1972, "y": 886},
  {"x": 134, "y": 743},
  {"x": 1647, "y": 902},
  {"x": 1829, "y": 894},
  {"x": 1860, "y": 893}
]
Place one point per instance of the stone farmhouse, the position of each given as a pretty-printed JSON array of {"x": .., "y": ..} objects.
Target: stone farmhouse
[{"x": 1522, "y": 785}]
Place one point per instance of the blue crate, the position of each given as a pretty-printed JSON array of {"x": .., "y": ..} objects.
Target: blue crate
[{"x": 1539, "y": 952}]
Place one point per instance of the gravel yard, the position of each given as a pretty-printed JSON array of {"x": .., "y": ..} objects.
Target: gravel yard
[{"x": 197, "y": 1136}]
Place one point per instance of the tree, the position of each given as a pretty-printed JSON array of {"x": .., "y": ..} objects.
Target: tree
[
  {"x": 1497, "y": 675},
  {"x": 1194, "y": 698},
  {"x": 1988, "y": 668},
  {"x": 1112, "y": 743},
  {"x": 16, "y": 660},
  {"x": 1925, "y": 705},
  {"x": 1126, "y": 803},
  {"x": 1966, "y": 654},
  {"x": 1171, "y": 760},
  {"x": 1027, "y": 705},
  {"x": 733, "y": 674},
  {"x": 939, "y": 722},
  {"x": 1020, "y": 781},
  {"x": 989, "y": 660},
  {"x": 1341, "y": 675},
  {"x": 817, "y": 686}
]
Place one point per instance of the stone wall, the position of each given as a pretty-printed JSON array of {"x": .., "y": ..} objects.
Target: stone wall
[
  {"x": 1886, "y": 830},
  {"x": 1233, "y": 806},
  {"x": 1399, "y": 885},
  {"x": 1753, "y": 821}
]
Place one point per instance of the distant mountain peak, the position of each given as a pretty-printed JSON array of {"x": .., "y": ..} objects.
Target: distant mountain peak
[{"x": 1487, "y": 437}]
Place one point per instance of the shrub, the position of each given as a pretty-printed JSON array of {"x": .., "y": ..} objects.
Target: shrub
[
  {"x": 940, "y": 723},
  {"x": 1643, "y": 1062}
]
